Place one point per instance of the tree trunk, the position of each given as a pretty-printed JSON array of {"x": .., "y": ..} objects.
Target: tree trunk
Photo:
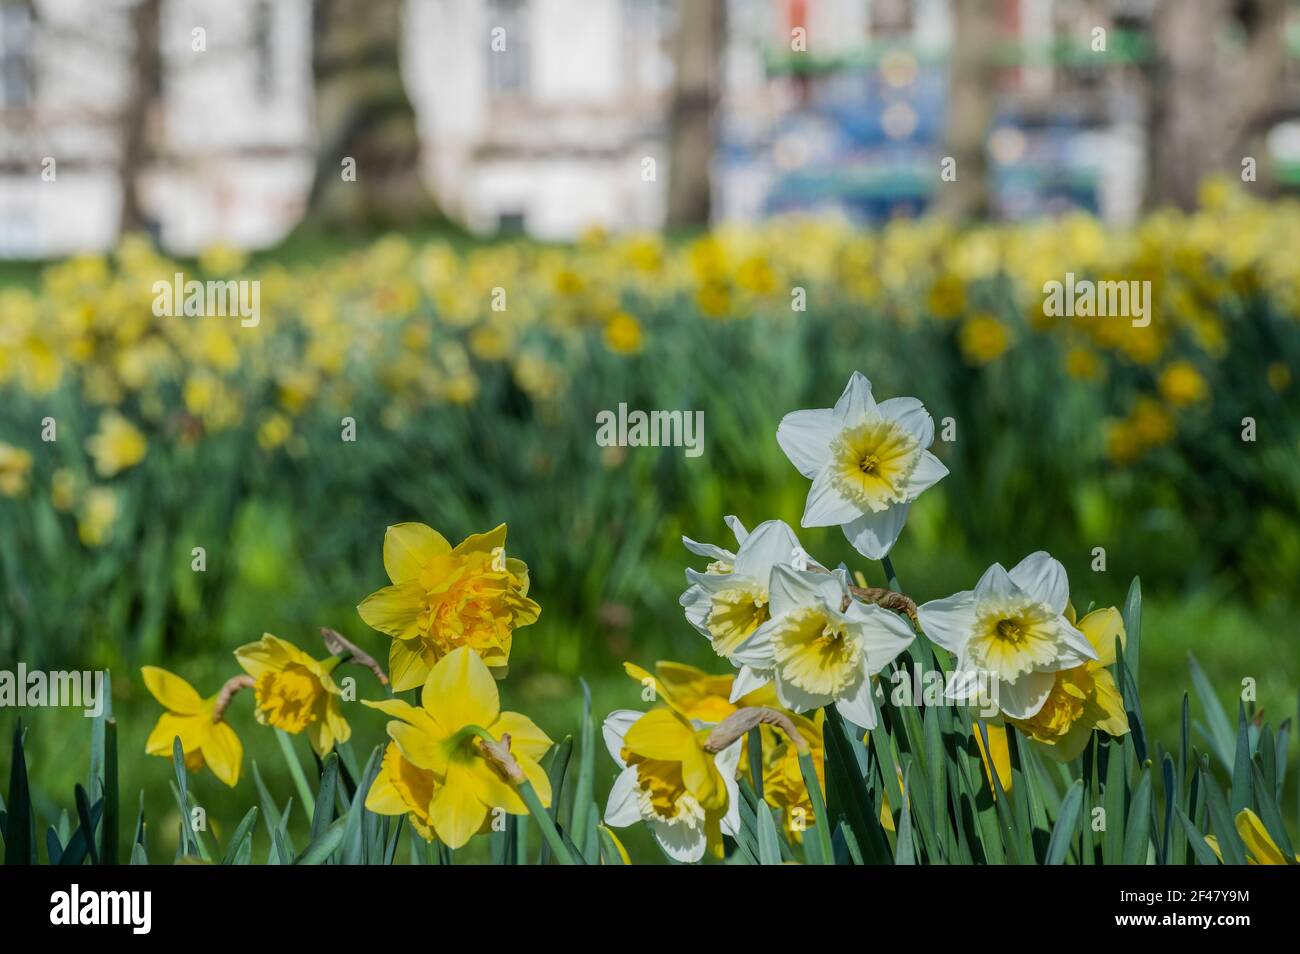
[
  {"x": 971, "y": 96},
  {"x": 364, "y": 115},
  {"x": 1187, "y": 104},
  {"x": 137, "y": 114},
  {"x": 697, "y": 82},
  {"x": 1209, "y": 110}
]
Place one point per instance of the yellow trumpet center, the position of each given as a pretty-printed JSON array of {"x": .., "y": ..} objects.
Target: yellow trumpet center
[
  {"x": 1013, "y": 639},
  {"x": 817, "y": 653},
  {"x": 734, "y": 616},
  {"x": 287, "y": 699},
  {"x": 872, "y": 463}
]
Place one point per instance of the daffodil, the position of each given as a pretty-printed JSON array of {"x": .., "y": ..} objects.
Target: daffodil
[
  {"x": 117, "y": 446},
  {"x": 295, "y": 692},
  {"x": 696, "y": 694},
  {"x": 867, "y": 462},
  {"x": 729, "y": 601},
  {"x": 821, "y": 646},
  {"x": 440, "y": 745},
  {"x": 1010, "y": 634},
  {"x": 783, "y": 783},
  {"x": 443, "y": 598},
  {"x": 205, "y": 738},
  {"x": 1261, "y": 849},
  {"x": 15, "y": 466},
  {"x": 687, "y": 796},
  {"x": 403, "y": 788},
  {"x": 1083, "y": 697}
]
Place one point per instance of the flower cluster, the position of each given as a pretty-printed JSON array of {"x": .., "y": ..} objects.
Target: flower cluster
[
  {"x": 452, "y": 760},
  {"x": 804, "y": 641}
]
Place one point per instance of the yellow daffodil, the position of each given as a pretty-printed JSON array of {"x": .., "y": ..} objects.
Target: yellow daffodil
[
  {"x": 687, "y": 796},
  {"x": 439, "y": 775},
  {"x": 983, "y": 339},
  {"x": 205, "y": 739},
  {"x": 443, "y": 598},
  {"x": 1182, "y": 385},
  {"x": 1261, "y": 849},
  {"x": 695, "y": 693},
  {"x": 295, "y": 692},
  {"x": 1083, "y": 697},
  {"x": 783, "y": 784},
  {"x": 117, "y": 446},
  {"x": 403, "y": 788},
  {"x": 15, "y": 466},
  {"x": 1001, "y": 760},
  {"x": 97, "y": 516}
]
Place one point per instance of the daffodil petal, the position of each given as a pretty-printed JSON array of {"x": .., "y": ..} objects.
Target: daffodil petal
[
  {"x": 175, "y": 694},
  {"x": 408, "y": 547},
  {"x": 460, "y": 691}
]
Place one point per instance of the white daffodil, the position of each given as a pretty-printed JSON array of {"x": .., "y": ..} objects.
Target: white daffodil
[
  {"x": 1010, "y": 631},
  {"x": 823, "y": 646},
  {"x": 687, "y": 796},
  {"x": 728, "y": 602},
  {"x": 867, "y": 462},
  {"x": 723, "y": 560}
]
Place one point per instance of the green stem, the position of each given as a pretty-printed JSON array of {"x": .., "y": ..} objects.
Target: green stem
[
  {"x": 891, "y": 578},
  {"x": 543, "y": 819},
  {"x": 295, "y": 770},
  {"x": 821, "y": 816},
  {"x": 756, "y": 761}
]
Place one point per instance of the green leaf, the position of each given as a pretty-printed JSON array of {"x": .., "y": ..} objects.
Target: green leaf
[
  {"x": 108, "y": 851},
  {"x": 1113, "y": 797},
  {"x": 582, "y": 797},
  {"x": 1219, "y": 734},
  {"x": 1241, "y": 774},
  {"x": 1203, "y": 852},
  {"x": 1132, "y": 614},
  {"x": 905, "y": 852},
  {"x": 609, "y": 853},
  {"x": 556, "y": 772},
  {"x": 270, "y": 814},
  {"x": 326, "y": 794},
  {"x": 244, "y": 832},
  {"x": 1067, "y": 824},
  {"x": 354, "y": 847},
  {"x": 845, "y": 782},
  {"x": 20, "y": 823},
  {"x": 1221, "y": 821},
  {"x": 769, "y": 843},
  {"x": 1271, "y": 816},
  {"x": 87, "y": 824},
  {"x": 1137, "y": 835},
  {"x": 320, "y": 849},
  {"x": 81, "y": 842}
]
